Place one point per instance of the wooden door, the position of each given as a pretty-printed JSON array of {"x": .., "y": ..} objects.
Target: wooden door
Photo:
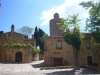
[
  {"x": 18, "y": 57},
  {"x": 89, "y": 60},
  {"x": 58, "y": 62}
]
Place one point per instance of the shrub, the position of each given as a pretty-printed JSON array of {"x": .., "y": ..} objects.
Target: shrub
[
  {"x": 23, "y": 45},
  {"x": 30, "y": 45},
  {"x": 16, "y": 45},
  {"x": 7, "y": 45},
  {"x": 35, "y": 50}
]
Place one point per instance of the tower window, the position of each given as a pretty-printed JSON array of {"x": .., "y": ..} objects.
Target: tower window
[
  {"x": 59, "y": 45},
  {"x": 88, "y": 45},
  {"x": 56, "y": 16}
]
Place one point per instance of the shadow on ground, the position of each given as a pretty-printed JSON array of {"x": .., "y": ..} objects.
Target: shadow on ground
[
  {"x": 73, "y": 72},
  {"x": 38, "y": 65}
]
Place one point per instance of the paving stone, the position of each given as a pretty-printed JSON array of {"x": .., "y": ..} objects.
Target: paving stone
[{"x": 34, "y": 69}]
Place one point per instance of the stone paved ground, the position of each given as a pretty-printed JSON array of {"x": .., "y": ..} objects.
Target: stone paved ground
[{"x": 33, "y": 69}]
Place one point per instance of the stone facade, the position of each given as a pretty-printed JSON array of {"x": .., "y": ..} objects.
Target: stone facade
[
  {"x": 55, "y": 56},
  {"x": 11, "y": 54}
]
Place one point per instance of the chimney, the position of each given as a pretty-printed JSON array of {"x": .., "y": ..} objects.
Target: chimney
[{"x": 12, "y": 28}]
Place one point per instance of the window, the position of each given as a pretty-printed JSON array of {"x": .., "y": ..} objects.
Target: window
[
  {"x": 88, "y": 45},
  {"x": 59, "y": 45}
]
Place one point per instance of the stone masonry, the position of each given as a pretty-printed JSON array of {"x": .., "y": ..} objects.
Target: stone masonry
[
  {"x": 9, "y": 54},
  {"x": 87, "y": 55}
]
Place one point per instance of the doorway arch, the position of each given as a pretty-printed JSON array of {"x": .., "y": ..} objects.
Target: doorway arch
[
  {"x": 18, "y": 57},
  {"x": 89, "y": 60}
]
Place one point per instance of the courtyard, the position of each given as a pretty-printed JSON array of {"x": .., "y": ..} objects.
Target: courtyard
[{"x": 33, "y": 68}]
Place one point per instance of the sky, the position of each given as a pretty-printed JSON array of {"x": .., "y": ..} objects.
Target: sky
[{"x": 34, "y": 13}]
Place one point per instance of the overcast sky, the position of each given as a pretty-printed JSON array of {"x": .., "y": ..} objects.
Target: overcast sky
[{"x": 38, "y": 13}]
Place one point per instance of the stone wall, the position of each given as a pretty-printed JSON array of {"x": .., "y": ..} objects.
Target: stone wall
[
  {"x": 51, "y": 52},
  {"x": 36, "y": 57},
  {"x": 10, "y": 53},
  {"x": 95, "y": 68},
  {"x": 66, "y": 52},
  {"x": 41, "y": 56}
]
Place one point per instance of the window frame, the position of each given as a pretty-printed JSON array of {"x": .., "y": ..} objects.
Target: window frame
[
  {"x": 88, "y": 42},
  {"x": 57, "y": 45}
]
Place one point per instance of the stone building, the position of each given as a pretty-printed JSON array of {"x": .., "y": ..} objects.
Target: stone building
[
  {"x": 15, "y": 54},
  {"x": 59, "y": 53}
]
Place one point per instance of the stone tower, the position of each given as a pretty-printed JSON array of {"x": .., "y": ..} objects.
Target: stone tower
[{"x": 54, "y": 28}]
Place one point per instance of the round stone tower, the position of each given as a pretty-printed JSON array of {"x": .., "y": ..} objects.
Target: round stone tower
[{"x": 54, "y": 28}]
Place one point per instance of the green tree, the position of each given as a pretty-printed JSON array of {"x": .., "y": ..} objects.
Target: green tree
[
  {"x": 42, "y": 35},
  {"x": 39, "y": 35},
  {"x": 26, "y": 31},
  {"x": 73, "y": 36},
  {"x": 36, "y": 36},
  {"x": 93, "y": 22}
]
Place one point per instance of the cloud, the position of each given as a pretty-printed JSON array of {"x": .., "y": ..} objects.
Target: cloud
[{"x": 69, "y": 7}]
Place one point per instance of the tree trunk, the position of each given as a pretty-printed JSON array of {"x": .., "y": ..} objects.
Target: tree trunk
[{"x": 76, "y": 63}]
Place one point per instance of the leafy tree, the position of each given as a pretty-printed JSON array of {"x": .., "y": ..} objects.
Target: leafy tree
[
  {"x": 93, "y": 22},
  {"x": 26, "y": 31},
  {"x": 73, "y": 36}
]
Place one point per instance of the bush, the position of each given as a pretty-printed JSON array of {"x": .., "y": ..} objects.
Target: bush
[
  {"x": 95, "y": 64},
  {"x": 35, "y": 50},
  {"x": 7, "y": 45},
  {"x": 14, "y": 45},
  {"x": 23, "y": 45},
  {"x": 30, "y": 45}
]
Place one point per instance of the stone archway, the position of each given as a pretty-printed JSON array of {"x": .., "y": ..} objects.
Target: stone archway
[
  {"x": 89, "y": 60},
  {"x": 18, "y": 57}
]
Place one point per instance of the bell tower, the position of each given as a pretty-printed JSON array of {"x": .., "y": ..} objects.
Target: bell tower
[{"x": 54, "y": 28}]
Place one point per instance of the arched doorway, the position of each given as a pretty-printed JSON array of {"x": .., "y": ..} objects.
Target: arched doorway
[
  {"x": 18, "y": 57},
  {"x": 89, "y": 60}
]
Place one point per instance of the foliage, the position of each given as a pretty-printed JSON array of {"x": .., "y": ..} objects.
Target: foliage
[
  {"x": 39, "y": 35},
  {"x": 36, "y": 36},
  {"x": 87, "y": 4},
  {"x": 30, "y": 45},
  {"x": 23, "y": 45},
  {"x": 7, "y": 45},
  {"x": 15, "y": 45},
  {"x": 35, "y": 50},
  {"x": 72, "y": 33},
  {"x": 26, "y": 31},
  {"x": 73, "y": 36},
  {"x": 93, "y": 22}
]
